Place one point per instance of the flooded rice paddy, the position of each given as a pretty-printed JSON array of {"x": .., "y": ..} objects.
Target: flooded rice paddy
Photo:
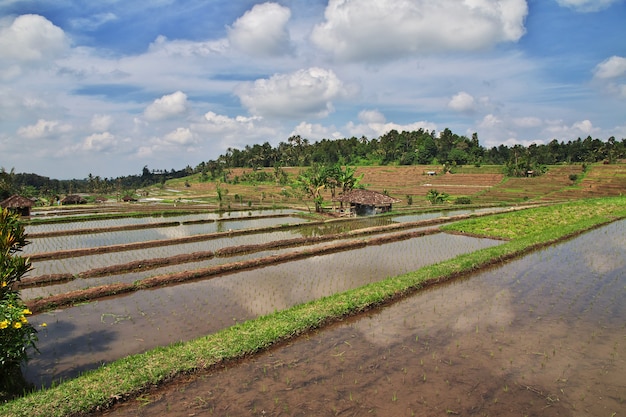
[
  {"x": 84, "y": 336},
  {"x": 544, "y": 335},
  {"x": 131, "y": 221},
  {"x": 81, "y": 241}
]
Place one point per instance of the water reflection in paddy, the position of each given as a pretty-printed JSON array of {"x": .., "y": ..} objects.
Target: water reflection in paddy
[
  {"x": 130, "y": 221},
  {"x": 540, "y": 336},
  {"x": 81, "y": 241},
  {"x": 84, "y": 336}
]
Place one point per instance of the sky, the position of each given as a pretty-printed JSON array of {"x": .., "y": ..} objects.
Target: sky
[{"x": 107, "y": 87}]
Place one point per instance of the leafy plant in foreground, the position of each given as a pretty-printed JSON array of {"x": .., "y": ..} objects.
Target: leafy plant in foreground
[{"x": 16, "y": 334}]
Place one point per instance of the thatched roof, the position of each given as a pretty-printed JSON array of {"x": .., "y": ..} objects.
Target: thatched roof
[
  {"x": 16, "y": 201},
  {"x": 73, "y": 199},
  {"x": 366, "y": 198}
]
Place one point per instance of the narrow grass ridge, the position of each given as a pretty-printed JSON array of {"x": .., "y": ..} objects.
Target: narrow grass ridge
[{"x": 528, "y": 229}]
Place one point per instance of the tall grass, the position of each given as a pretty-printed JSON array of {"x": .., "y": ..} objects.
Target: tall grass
[{"x": 124, "y": 378}]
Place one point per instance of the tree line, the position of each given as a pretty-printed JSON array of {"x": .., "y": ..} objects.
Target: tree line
[
  {"x": 421, "y": 147},
  {"x": 411, "y": 148}
]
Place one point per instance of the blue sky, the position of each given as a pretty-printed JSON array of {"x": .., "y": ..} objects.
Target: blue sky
[{"x": 107, "y": 87}]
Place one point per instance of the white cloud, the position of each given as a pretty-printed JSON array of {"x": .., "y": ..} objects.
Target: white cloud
[
  {"x": 315, "y": 131},
  {"x": 558, "y": 130},
  {"x": 308, "y": 92},
  {"x": 184, "y": 48},
  {"x": 219, "y": 132},
  {"x": 610, "y": 73},
  {"x": 371, "y": 116},
  {"x": 613, "y": 67},
  {"x": 527, "y": 122},
  {"x": 99, "y": 142},
  {"x": 262, "y": 30},
  {"x": 584, "y": 126},
  {"x": 373, "y": 30},
  {"x": 42, "y": 129},
  {"x": 216, "y": 123},
  {"x": 32, "y": 38},
  {"x": 168, "y": 106},
  {"x": 101, "y": 122},
  {"x": 489, "y": 121},
  {"x": 587, "y": 5},
  {"x": 462, "y": 102},
  {"x": 375, "y": 124},
  {"x": 180, "y": 136}
]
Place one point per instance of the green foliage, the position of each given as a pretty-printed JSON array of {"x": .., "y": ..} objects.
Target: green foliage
[
  {"x": 435, "y": 197},
  {"x": 463, "y": 200},
  {"x": 317, "y": 178},
  {"x": 16, "y": 334}
]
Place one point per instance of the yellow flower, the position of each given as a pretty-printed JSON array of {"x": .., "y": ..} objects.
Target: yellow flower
[
  {"x": 4, "y": 324},
  {"x": 44, "y": 324},
  {"x": 23, "y": 320},
  {"x": 17, "y": 325},
  {"x": 27, "y": 311},
  {"x": 4, "y": 284}
]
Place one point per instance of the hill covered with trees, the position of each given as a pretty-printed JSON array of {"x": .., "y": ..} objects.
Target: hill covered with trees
[{"x": 393, "y": 148}]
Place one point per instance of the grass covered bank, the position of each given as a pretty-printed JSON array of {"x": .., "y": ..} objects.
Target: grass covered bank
[{"x": 527, "y": 230}]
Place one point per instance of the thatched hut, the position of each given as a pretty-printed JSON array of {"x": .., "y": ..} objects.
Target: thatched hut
[
  {"x": 18, "y": 204},
  {"x": 365, "y": 202},
  {"x": 73, "y": 199}
]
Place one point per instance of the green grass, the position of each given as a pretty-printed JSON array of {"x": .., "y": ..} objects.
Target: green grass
[{"x": 527, "y": 229}]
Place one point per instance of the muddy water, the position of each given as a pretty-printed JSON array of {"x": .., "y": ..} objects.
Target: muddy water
[
  {"x": 541, "y": 336},
  {"x": 85, "y": 336}
]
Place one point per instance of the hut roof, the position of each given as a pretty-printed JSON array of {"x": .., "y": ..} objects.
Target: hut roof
[
  {"x": 73, "y": 199},
  {"x": 16, "y": 201},
  {"x": 366, "y": 197}
]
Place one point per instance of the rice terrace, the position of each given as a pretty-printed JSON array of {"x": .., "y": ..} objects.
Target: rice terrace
[{"x": 197, "y": 300}]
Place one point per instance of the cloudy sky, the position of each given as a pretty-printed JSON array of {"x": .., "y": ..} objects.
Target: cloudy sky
[{"x": 106, "y": 87}]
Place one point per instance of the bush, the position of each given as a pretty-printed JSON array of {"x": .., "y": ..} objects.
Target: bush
[
  {"x": 435, "y": 197},
  {"x": 573, "y": 177},
  {"x": 16, "y": 334},
  {"x": 463, "y": 200}
]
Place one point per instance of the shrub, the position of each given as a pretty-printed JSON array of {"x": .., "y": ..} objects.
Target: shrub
[
  {"x": 16, "y": 334},
  {"x": 573, "y": 177},
  {"x": 463, "y": 200},
  {"x": 435, "y": 197}
]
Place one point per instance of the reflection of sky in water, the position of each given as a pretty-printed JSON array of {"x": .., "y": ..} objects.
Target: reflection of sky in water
[
  {"x": 157, "y": 233},
  {"x": 581, "y": 280},
  {"x": 552, "y": 290},
  {"x": 147, "y": 319},
  {"x": 127, "y": 221},
  {"x": 434, "y": 215}
]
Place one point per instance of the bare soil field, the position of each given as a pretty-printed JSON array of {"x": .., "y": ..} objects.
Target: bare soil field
[{"x": 483, "y": 185}]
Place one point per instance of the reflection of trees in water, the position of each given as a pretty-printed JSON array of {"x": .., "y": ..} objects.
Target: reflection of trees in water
[{"x": 343, "y": 226}]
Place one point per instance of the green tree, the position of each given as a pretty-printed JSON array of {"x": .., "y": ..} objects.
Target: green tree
[
  {"x": 7, "y": 183},
  {"x": 313, "y": 181},
  {"x": 17, "y": 335}
]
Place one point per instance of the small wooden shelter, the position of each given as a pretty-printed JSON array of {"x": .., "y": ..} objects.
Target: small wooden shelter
[
  {"x": 365, "y": 202},
  {"x": 18, "y": 204},
  {"x": 73, "y": 199}
]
